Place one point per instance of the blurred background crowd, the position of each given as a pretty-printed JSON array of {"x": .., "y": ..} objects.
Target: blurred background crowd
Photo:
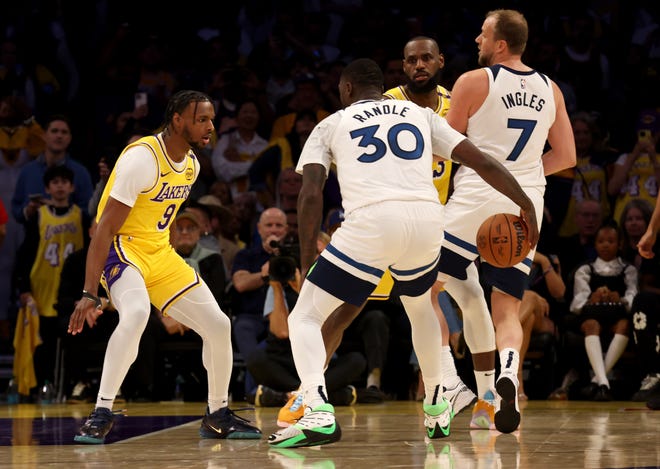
[{"x": 80, "y": 80}]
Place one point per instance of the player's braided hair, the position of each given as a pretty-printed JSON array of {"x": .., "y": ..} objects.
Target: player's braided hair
[{"x": 180, "y": 101}]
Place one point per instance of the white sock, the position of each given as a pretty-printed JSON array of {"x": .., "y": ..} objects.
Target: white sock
[
  {"x": 216, "y": 404},
  {"x": 509, "y": 359},
  {"x": 615, "y": 350},
  {"x": 313, "y": 396},
  {"x": 485, "y": 381},
  {"x": 374, "y": 378},
  {"x": 595, "y": 354},
  {"x": 433, "y": 394},
  {"x": 450, "y": 377}
]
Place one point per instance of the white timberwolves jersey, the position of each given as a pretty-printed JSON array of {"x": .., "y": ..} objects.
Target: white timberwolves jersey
[
  {"x": 383, "y": 150},
  {"x": 512, "y": 124}
]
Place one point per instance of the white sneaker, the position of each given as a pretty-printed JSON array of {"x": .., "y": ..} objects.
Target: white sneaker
[
  {"x": 437, "y": 419},
  {"x": 649, "y": 384},
  {"x": 317, "y": 427},
  {"x": 460, "y": 396}
]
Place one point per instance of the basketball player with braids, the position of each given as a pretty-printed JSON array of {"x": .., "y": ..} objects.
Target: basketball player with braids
[
  {"x": 509, "y": 111},
  {"x": 131, "y": 254}
]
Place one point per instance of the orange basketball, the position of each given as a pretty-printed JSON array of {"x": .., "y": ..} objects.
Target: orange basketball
[{"x": 502, "y": 240}]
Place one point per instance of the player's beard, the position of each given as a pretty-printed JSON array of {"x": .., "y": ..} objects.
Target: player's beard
[
  {"x": 429, "y": 85},
  {"x": 484, "y": 59},
  {"x": 195, "y": 146}
]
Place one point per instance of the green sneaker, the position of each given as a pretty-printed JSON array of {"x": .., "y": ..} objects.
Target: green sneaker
[
  {"x": 437, "y": 419},
  {"x": 317, "y": 427},
  {"x": 293, "y": 459}
]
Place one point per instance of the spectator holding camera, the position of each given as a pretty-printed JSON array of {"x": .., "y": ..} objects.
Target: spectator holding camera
[
  {"x": 250, "y": 278},
  {"x": 636, "y": 173}
]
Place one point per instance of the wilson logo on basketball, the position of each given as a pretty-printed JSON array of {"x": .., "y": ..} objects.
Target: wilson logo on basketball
[
  {"x": 502, "y": 240},
  {"x": 521, "y": 237}
]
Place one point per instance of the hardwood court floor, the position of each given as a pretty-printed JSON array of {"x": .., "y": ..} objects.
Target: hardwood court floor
[{"x": 560, "y": 435}]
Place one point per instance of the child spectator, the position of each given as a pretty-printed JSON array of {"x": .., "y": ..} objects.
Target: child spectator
[
  {"x": 603, "y": 294},
  {"x": 57, "y": 230}
]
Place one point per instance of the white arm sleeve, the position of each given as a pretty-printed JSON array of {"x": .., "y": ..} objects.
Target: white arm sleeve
[{"x": 135, "y": 172}]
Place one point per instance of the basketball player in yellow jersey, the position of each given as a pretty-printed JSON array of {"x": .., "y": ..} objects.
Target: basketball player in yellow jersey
[
  {"x": 422, "y": 65},
  {"x": 148, "y": 184}
]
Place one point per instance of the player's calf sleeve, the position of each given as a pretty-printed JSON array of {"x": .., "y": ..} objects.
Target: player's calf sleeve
[{"x": 477, "y": 324}]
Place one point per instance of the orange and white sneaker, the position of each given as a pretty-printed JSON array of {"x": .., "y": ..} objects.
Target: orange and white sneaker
[
  {"x": 483, "y": 412},
  {"x": 292, "y": 411}
]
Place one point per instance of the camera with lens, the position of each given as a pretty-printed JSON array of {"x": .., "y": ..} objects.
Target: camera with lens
[{"x": 283, "y": 265}]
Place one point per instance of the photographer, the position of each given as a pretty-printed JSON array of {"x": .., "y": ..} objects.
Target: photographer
[
  {"x": 250, "y": 275},
  {"x": 273, "y": 367}
]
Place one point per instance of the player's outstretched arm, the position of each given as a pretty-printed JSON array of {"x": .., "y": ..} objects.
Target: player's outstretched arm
[
  {"x": 113, "y": 216},
  {"x": 647, "y": 241}
]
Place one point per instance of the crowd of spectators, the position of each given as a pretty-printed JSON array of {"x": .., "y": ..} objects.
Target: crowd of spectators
[{"x": 272, "y": 69}]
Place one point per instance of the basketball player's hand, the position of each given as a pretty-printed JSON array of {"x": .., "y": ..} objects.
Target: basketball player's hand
[
  {"x": 85, "y": 310},
  {"x": 172, "y": 326},
  {"x": 645, "y": 244},
  {"x": 529, "y": 218}
]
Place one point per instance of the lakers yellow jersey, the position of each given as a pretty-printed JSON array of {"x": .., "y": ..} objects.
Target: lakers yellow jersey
[
  {"x": 59, "y": 236},
  {"x": 590, "y": 181},
  {"x": 148, "y": 223},
  {"x": 640, "y": 184},
  {"x": 442, "y": 169}
]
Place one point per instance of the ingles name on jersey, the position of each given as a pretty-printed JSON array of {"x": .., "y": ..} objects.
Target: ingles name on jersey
[
  {"x": 521, "y": 98},
  {"x": 169, "y": 192}
]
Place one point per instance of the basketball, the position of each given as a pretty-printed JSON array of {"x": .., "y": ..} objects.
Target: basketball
[{"x": 502, "y": 240}]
